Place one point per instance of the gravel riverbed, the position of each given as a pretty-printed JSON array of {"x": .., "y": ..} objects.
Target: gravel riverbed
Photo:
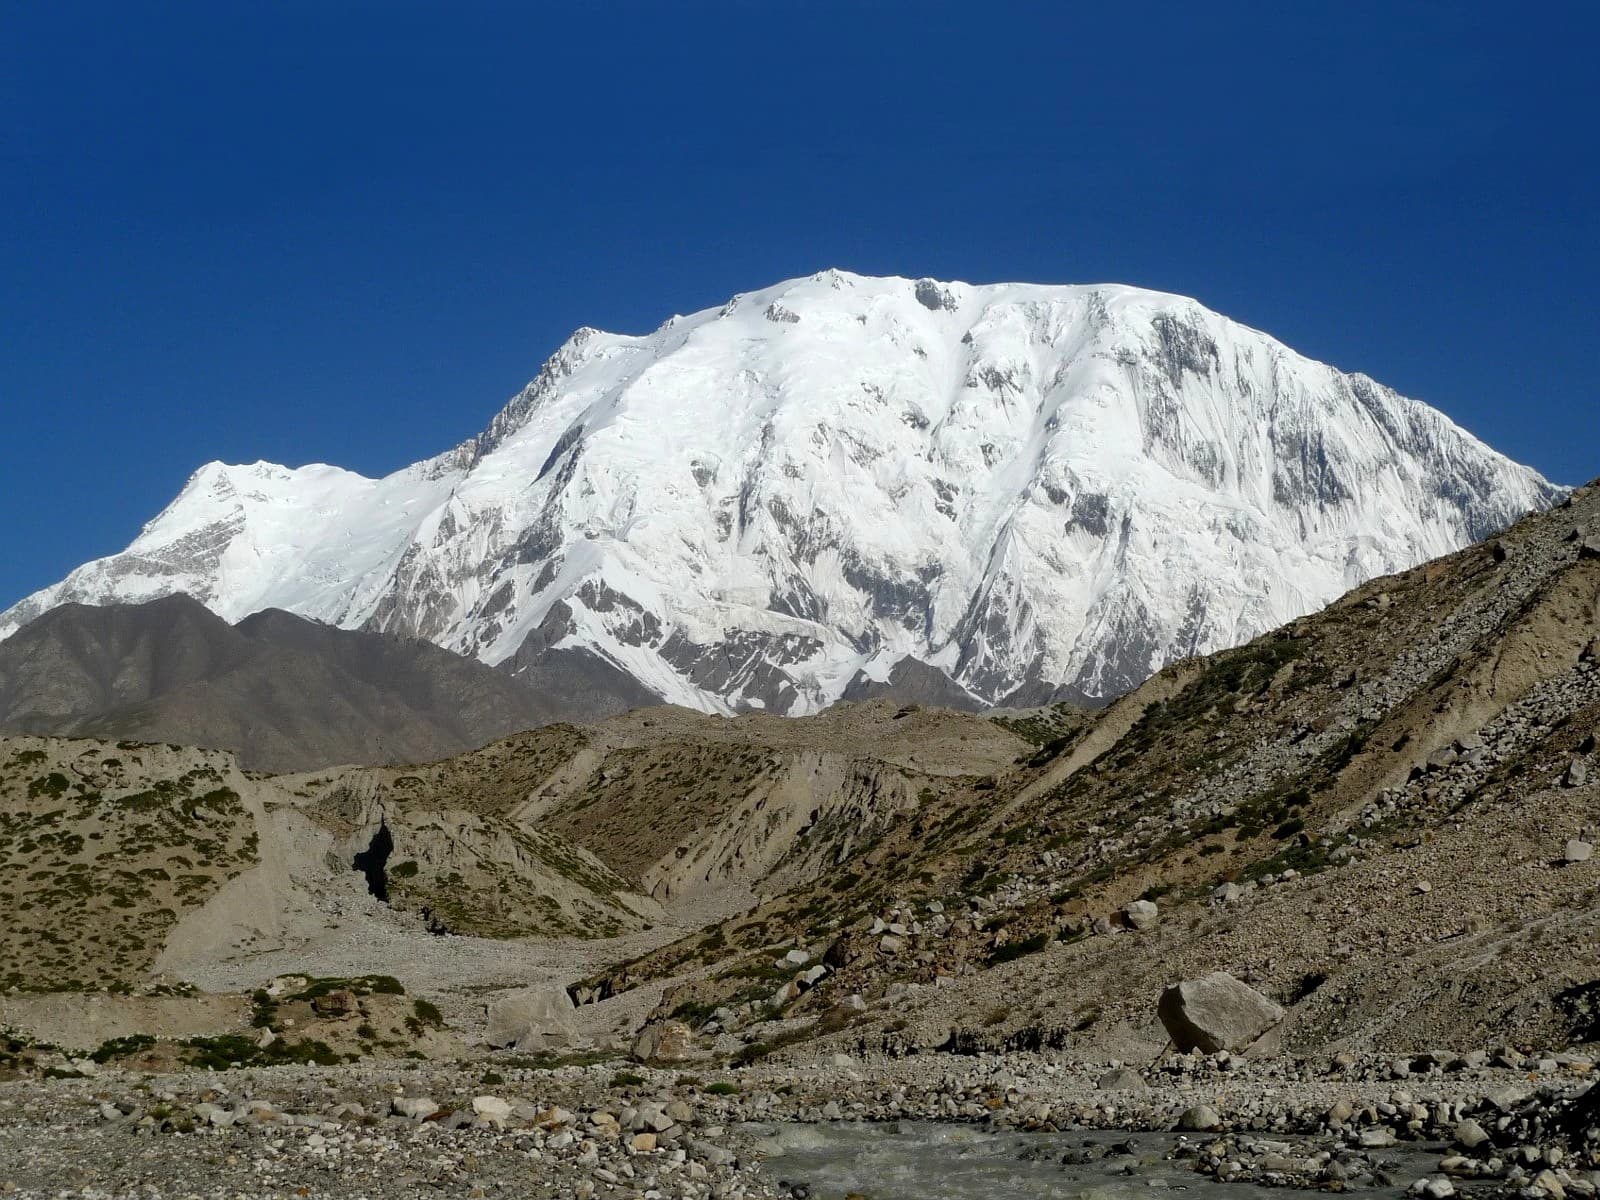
[{"x": 1430, "y": 1124}]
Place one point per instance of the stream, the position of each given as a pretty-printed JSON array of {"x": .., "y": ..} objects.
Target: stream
[{"x": 915, "y": 1160}]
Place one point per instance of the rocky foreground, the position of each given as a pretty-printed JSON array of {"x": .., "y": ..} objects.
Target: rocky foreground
[{"x": 1507, "y": 1122}]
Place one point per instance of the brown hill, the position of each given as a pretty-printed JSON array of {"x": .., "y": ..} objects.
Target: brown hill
[
  {"x": 1366, "y": 813},
  {"x": 284, "y": 693}
]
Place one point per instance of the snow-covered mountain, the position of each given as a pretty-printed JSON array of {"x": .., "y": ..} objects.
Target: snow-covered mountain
[{"x": 1036, "y": 490}]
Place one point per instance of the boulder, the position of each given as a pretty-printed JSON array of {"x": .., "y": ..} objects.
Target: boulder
[
  {"x": 1577, "y": 774},
  {"x": 1141, "y": 914},
  {"x": 665, "y": 1041},
  {"x": 492, "y": 1110},
  {"x": 417, "y": 1108},
  {"x": 532, "y": 1019},
  {"x": 1201, "y": 1118},
  {"x": 338, "y": 1003},
  {"x": 1578, "y": 851},
  {"x": 1216, "y": 1013},
  {"x": 1122, "y": 1079}
]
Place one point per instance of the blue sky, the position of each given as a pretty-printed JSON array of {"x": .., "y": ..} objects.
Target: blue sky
[{"x": 347, "y": 232}]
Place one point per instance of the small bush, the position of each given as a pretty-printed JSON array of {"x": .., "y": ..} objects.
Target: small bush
[
  {"x": 122, "y": 1047},
  {"x": 428, "y": 1013},
  {"x": 1015, "y": 950}
]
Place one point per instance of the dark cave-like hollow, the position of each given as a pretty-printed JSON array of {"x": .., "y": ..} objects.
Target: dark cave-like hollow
[{"x": 372, "y": 862}]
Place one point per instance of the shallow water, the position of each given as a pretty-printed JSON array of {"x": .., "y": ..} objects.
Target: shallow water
[{"x": 910, "y": 1160}]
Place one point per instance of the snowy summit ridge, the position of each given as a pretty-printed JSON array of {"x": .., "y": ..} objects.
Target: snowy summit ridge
[{"x": 1037, "y": 490}]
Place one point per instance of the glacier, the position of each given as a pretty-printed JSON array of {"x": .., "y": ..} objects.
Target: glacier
[{"x": 1042, "y": 492}]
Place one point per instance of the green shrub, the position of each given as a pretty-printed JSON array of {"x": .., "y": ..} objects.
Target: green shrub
[
  {"x": 220, "y": 1053},
  {"x": 428, "y": 1012},
  {"x": 122, "y": 1047},
  {"x": 1015, "y": 950}
]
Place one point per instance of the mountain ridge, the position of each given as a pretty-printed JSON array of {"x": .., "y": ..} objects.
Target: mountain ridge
[
  {"x": 1035, "y": 490},
  {"x": 283, "y": 692}
]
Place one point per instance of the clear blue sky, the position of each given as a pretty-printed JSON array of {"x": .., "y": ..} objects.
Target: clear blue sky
[{"x": 347, "y": 232}]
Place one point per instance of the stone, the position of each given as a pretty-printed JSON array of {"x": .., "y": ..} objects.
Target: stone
[
  {"x": 492, "y": 1109},
  {"x": 340, "y": 1002},
  {"x": 1141, "y": 914},
  {"x": 710, "y": 1152},
  {"x": 1577, "y": 774},
  {"x": 1122, "y": 1079},
  {"x": 1470, "y": 1135},
  {"x": 796, "y": 958},
  {"x": 531, "y": 1019},
  {"x": 1508, "y": 1099},
  {"x": 1549, "y": 1183},
  {"x": 1202, "y": 1118},
  {"x": 1216, "y": 1013},
  {"x": 665, "y": 1041},
  {"x": 1227, "y": 893},
  {"x": 1578, "y": 851},
  {"x": 1380, "y": 1138},
  {"x": 417, "y": 1108},
  {"x": 890, "y": 944},
  {"x": 653, "y": 1118},
  {"x": 644, "y": 1143}
]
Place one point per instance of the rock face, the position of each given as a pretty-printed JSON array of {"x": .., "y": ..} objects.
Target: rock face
[
  {"x": 532, "y": 1019},
  {"x": 1035, "y": 492},
  {"x": 1216, "y": 1013}
]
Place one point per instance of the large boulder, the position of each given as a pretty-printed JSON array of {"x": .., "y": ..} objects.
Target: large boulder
[
  {"x": 532, "y": 1019},
  {"x": 1216, "y": 1013},
  {"x": 665, "y": 1041},
  {"x": 1141, "y": 914}
]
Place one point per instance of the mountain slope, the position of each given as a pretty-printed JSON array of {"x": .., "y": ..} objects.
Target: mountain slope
[
  {"x": 1382, "y": 814},
  {"x": 1042, "y": 492},
  {"x": 283, "y": 692}
]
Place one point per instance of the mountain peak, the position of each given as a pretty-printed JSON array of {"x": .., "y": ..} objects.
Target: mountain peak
[{"x": 1028, "y": 487}]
